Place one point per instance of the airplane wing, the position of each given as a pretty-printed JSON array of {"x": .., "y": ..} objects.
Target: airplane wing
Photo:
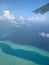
[{"x": 42, "y": 9}]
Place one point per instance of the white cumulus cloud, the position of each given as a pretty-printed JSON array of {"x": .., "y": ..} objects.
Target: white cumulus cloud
[
  {"x": 22, "y": 18},
  {"x": 43, "y": 34},
  {"x": 37, "y": 19},
  {"x": 9, "y": 16}
]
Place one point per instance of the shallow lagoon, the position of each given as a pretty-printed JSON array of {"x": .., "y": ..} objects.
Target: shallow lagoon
[{"x": 22, "y": 54}]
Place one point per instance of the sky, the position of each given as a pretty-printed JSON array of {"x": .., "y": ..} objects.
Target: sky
[
  {"x": 21, "y": 7},
  {"x": 21, "y": 10}
]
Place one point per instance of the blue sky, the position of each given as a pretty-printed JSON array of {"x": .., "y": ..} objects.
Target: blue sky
[
  {"x": 19, "y": 12},
  {"x": 22, "y": 7}
]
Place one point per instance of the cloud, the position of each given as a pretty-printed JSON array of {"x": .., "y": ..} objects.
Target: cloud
[
  {"x": 20, "y": 21},
  {"x": 37, "y": 19},
  {"x": 43, "y": 34},
  {"x": 22, "y": 18},
  {"x": 34, "y": 19},
  {"x": 8, "y": 15}
]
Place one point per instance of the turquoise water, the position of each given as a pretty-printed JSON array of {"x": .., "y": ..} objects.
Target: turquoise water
[{"x": 25, "y": 54}]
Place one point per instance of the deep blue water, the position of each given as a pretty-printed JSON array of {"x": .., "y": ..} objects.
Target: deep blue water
[
  {"x": 27, "y": 35},
  {"x": 24, "y": 54}
]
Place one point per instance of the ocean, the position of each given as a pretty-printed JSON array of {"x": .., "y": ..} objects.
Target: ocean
[
  {"x": 24, "y": 46},
  {"x": 23, "y": 52}
]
